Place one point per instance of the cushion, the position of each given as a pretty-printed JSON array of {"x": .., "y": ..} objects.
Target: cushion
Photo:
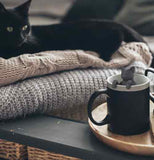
[{"x": 98, "y": 9}]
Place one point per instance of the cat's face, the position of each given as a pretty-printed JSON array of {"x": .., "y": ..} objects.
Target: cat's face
[
  {"x": 14, "y": 25},
  {"x": 128, "y": 74}
]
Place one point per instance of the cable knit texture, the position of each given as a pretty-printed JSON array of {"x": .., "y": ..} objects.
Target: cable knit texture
[
  {"x": 30, "y": 65},
  {"x": 65, "y": 93}
]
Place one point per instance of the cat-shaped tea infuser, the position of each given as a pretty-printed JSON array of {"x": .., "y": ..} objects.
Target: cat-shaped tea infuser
[{"x": 127, "y": 76}]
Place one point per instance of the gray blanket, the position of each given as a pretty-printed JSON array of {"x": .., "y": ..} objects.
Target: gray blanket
[{"x": 64, "y": 94}]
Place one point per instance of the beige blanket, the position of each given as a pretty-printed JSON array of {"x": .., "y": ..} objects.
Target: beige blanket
[{"x": 30, "y": 65}]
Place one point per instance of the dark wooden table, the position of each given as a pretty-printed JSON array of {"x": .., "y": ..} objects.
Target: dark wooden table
[{"x": 61, "y": 136}]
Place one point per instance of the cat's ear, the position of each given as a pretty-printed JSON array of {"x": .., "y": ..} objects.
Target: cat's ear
[
  {"x": 23, "y": 8},
  {"x": 2, "y": 8}
]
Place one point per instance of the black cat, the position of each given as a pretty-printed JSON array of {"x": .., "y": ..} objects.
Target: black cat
[{"x": 18, "y": 37}]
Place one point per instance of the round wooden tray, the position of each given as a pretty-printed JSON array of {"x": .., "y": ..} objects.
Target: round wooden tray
[{"x": 142, "y": 144}]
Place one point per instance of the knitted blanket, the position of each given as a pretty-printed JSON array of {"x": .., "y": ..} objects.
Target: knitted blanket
[
  {"x": 65, "y": 94},
  {"x": 30, "y": 65}
]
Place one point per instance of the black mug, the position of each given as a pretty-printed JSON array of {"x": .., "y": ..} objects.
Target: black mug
[{"x": 128, "y": 109}]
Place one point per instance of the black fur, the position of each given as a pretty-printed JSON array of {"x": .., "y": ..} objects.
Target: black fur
[{"x": 102, "y": 36}]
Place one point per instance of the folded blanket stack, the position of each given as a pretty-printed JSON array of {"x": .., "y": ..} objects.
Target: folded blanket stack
[
  {"x": 30, "y": 65},
  {"x": 63, "y": 93}
]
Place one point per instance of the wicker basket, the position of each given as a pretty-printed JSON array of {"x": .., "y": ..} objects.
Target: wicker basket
[
  {"x": 39, "y": 154},
  {"x": 12, "y": 151}
]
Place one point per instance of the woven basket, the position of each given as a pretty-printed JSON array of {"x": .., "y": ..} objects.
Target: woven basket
[
  {"x": 12, "y": 151},
  {"x": 39, "y": 154}
]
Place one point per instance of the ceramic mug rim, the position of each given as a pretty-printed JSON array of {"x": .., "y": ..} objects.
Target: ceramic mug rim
[{"x": 137, "y": 87}]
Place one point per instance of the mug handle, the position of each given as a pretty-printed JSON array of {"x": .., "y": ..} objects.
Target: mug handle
[
  {"x": 146, "y": 73},
  {"x": 106, "y": 120}
]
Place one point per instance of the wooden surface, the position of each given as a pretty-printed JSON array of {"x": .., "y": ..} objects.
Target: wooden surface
[
  {"x": 59, "y": 136},
  {"x": 142, "y": 144},
  {"x": 152, "y": 119},
  {"x": 69, "y": 138}
]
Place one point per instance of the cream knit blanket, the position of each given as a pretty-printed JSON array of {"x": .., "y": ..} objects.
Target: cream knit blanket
[
  {"x": 30, "y": 65},
  {"x": 63, "y": 94}
]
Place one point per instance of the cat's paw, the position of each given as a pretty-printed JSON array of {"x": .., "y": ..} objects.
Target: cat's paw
[
  {"x": 129, "y": 84},
  {"x": 114, "y": 84}
]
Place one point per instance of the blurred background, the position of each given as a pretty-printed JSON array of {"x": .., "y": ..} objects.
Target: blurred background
[
  {"x": 44, "y": 11},
  {"x": 138, "y": 14}
]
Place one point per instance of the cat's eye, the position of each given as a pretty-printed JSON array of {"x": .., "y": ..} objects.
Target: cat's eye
[
  {"x": 9, "y": 29},
  {"x": 24, "y": 27}
]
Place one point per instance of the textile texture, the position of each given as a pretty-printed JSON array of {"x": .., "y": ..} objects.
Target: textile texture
[
  {"x": 30, "y": 65},
  {"x": 64, "y": 93}
]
